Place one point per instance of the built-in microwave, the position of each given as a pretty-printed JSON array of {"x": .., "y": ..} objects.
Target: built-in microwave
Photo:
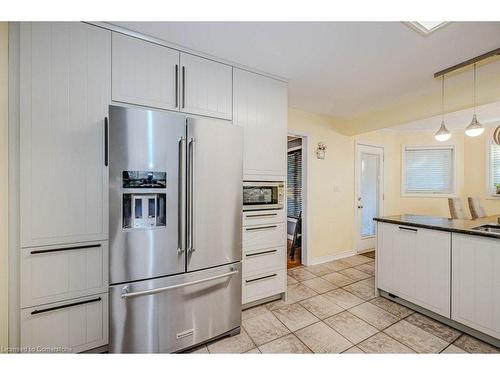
[{"x": 262, "y": 195}]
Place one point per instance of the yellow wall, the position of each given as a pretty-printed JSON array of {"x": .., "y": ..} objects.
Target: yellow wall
[
  {"x": 331, "y": 181},
  {"x": 3, "y": 183},
  {"x": 331, "y": 184}
]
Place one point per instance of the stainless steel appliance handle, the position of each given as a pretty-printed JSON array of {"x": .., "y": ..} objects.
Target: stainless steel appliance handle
[
  {"x": 106, "y": 142},
  {"x": 192, "y": 228},
  {"x": 181, "y": 245},
  {"x": 261, "y": 228},
  {"x": 159, "y": 290}
]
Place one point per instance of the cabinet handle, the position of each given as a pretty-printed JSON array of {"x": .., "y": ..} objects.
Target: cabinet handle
[
  {"x": 261, "y": 228},
  {"x": 260, "y": 278},
  {"x": 183, "y": 86},
  {"x": 176, "y": 85},
  {"x": 64, "y": 249},
  {"x": 106, "y": 161},
  {"x": 410, "y": 229},
  {"x": 34, "y": 312},
  {"x": 261, "y": 215},
  {"x": 261, "y": 253}
]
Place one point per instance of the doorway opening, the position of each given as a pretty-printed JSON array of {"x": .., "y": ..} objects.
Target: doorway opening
[
  {"x": 369, "y": 194},
  {"x": 296, "y": 200}
]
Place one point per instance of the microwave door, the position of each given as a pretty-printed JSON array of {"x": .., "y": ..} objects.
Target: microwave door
[{"x": 215, "y": 174}]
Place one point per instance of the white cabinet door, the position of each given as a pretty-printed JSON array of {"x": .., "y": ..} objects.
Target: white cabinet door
[
  {"x": 414, "y": 264},
  {"x": 52, "y": 274},
  {"x": 145, "y": 73},
  {"x": 476, "y": 283},
  {"x": 206, "y": 87},
  {"x": 260, "y": 106},
  {"x": 65, "y": 90},
  {"x": 71, "y": 326}
]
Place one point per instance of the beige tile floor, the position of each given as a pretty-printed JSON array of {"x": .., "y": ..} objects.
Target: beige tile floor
[{"x": 332, "y": 308}]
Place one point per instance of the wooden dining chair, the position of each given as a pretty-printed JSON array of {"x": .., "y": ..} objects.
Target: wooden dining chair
[
  {"x": 456, "y": 208},
  {"x": 476, "y": 210}
]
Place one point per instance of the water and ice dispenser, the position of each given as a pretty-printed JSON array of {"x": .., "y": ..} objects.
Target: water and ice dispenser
[{"x": 143, "y": 208}]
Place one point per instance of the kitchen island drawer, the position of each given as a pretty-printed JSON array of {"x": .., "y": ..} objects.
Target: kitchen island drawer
[
  {"x": 262, "y": 285},
  {"x": 56, "y": 273},
  {"x": 258, "y": 237},
  {"x": 264, "y": 259},
  {"x": 71, "y": 326},
  {"x": 263, "y": 217}
]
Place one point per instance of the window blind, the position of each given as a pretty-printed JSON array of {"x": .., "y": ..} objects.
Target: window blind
[
  {"x": 294, "y": 190},
  {"x": 429, "y": 170},
  {"x": 494, "y": 166}
]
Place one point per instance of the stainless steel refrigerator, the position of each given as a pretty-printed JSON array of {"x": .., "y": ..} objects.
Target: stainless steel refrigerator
[{"x": 175, "y": 202}]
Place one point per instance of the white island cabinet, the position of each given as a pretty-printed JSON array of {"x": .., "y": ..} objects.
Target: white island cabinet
[
  {"x": 414, "y": 264},
  {"x": 476, "y": 283}
]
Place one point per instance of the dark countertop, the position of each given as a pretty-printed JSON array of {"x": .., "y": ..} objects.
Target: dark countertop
[{"x": 443, "y": 224}]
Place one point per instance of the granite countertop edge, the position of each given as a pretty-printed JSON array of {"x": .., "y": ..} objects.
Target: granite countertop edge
[{"x": 443, "y": 224}]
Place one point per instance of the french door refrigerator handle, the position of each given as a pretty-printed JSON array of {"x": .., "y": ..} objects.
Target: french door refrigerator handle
[
  {"x": 181, "y": 240},
  {"x": 164, "y": 289},
  {"x": 191, "y": 202},
  {"x": 176, "y": 91}
]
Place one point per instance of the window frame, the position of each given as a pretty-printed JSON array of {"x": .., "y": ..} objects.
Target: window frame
[
  {"x": 490, "y": 192},
  {"x": 452, "y": 194}
]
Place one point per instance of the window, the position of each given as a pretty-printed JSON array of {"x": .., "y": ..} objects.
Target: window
[
  {"x": 294, "y": 194},
  {"x": 428, "y": 170},
  {"x": 494, "y": 177}
]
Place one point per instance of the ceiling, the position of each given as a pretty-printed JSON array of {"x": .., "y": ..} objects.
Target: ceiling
[{"x": 345, "y": 70}]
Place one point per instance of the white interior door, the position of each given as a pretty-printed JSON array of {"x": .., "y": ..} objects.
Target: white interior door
[{"x": 369, "y": 193}]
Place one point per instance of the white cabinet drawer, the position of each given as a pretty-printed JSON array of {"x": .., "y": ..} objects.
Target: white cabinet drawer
[
  {"x": 75, "y": 325},
  {"x": 264, "y": 236},
  {"x": 263, "y": 285},
  {"x": 263, "y": 217},
  {"x": 51, "y": 274},
  {"x": 264, "y": 259}
]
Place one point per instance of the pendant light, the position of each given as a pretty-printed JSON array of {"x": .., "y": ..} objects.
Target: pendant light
[
  {"x": 475, "y": 128},
  {"x": 443, "y": 134}
]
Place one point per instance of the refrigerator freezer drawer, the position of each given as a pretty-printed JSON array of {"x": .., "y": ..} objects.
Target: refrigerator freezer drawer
[
  {"x": 263, "y": 236},
  {"x": 173, "y": 313},
  {"x": 263, "y": 285},
  {"x": 264, "y": 259}
]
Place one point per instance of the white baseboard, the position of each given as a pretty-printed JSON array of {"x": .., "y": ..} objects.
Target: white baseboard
[{"x": 329, "y": 258}]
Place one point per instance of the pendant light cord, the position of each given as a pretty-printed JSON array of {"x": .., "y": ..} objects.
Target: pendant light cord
[
  {"x": 474, "y": 89},
  {"x": 442, "y": 99}
]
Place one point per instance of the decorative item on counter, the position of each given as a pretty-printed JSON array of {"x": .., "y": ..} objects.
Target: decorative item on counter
[
  {"x": 498, "y": 188},
  {"x": 321, "y": 150},
  {"x": 496, "y": 135}
]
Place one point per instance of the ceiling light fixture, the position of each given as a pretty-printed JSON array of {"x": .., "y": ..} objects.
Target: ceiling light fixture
[
  {"x": 426, "y": 27},
  {"x": 475, "y": 128},
  {"x": 443, "y": 134}
]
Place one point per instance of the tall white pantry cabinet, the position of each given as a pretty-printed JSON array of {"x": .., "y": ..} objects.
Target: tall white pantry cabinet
[
  {"x": 69, "y": 73},
  {"x": 65, "y": 90}
]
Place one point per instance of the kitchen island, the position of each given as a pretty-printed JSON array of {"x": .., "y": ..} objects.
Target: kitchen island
[{"x": 447, "y": 269}]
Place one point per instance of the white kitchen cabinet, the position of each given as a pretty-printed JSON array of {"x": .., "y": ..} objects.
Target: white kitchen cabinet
[
  {"x": 260, "y": 106},
  {"x": 52, "y": 274},
  {"x": 414, "y": 264},
  {"x": 256, "y": 237},
  {"x": 262, "y": 285},
  {"x": 65, "y": 90},
  {"x": 144, "y": 73},
  {"x": 476, "y": 283},
  {"x": 206, "y": 87},
  {"x": 71, "y": 326}
]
